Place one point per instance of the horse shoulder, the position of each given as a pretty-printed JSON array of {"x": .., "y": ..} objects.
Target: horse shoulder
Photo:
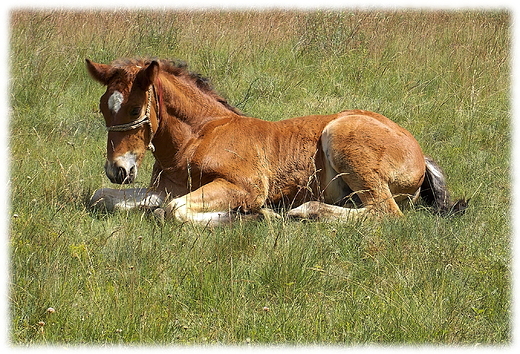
[{"x": 229, "y": 147}]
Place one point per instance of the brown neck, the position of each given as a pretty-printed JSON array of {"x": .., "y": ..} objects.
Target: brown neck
[
  {"x": 183, "y": 110},
  {"x": 189, "y": 104}
]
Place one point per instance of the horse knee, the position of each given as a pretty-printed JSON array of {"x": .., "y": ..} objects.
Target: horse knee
[{"x": 176, "y": 210}]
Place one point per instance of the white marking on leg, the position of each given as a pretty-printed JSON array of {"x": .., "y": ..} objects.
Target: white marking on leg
[
  {"x": 125, "y": 199},
  {"x": 325, "y": 212},
  {"x": 178, "y": 210},
  {"x": 115, "y": 101}
]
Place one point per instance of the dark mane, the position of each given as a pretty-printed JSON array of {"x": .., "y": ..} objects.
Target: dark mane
[{"x": 180, "y": 69}]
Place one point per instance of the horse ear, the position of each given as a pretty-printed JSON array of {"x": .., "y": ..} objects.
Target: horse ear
[
  {"x": 100, "y": 72},
  {"x": 146, "y": 77}
]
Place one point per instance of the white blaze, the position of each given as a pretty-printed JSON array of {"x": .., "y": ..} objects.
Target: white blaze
[{"x": 115, "y": 101}]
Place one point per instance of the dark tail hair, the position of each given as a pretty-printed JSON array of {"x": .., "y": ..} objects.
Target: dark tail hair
[{"x": 435, "y": 193}]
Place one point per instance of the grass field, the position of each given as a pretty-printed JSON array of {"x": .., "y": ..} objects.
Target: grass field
[{"x": 125, "y": 279}]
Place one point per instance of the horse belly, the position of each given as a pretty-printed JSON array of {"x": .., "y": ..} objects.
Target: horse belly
[{"x": 313, "y": 178}]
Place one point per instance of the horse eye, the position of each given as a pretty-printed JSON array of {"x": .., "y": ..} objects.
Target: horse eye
[{"x": 136, "y": 111}]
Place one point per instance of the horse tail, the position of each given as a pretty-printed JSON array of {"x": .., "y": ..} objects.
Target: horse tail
[{"x": 435, "y": 192}]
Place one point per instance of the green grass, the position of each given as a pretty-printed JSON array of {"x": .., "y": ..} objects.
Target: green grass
[{"x": 123, "y": 278}]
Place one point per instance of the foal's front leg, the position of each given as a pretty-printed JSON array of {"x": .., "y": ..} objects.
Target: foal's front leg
[
  {"x": 125, "y": 199},
  {"x": 212, "y": 203}
]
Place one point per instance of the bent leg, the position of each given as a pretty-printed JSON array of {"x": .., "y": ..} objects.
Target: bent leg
[
  {"x": 125, "y": 199},
  {"x": 212, "y": 203},
  {"x": 374, "y": 207}
]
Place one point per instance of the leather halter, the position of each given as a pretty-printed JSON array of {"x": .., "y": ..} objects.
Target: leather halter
[{"x": 141, "y": 121}]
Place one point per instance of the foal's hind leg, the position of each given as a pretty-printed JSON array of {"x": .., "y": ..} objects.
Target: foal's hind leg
[
  {"x": 375, "y": 158},
  {"x": 376, "y": 203},
  {"x": 315, "y": 210}
]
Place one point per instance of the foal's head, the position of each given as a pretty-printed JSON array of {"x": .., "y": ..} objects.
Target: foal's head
[{"x": 130, "y": 116}]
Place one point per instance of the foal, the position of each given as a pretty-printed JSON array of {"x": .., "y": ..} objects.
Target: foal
[{"x": 212, "y": 163}]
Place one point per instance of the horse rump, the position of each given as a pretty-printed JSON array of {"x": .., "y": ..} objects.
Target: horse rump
[{"x": 435, "y": 193}]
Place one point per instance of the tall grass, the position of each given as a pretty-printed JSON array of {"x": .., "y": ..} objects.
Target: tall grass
[{"x": 123, "y": 278}]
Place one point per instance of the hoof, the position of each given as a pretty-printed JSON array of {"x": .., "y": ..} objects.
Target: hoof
[
  {"x": 269, "y": 214},
  {"x": 307, "y": 211},
  {"x": 160, "y": 215},
  {"x": 101, "y": 201}
]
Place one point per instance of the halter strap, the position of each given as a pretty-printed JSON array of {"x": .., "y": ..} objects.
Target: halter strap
[
  {"x": 140, "y": 122},
  {"x": 129, "y": 126}
]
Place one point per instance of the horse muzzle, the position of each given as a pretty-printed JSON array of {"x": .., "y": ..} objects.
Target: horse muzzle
[{"x": 123, "y": 169}]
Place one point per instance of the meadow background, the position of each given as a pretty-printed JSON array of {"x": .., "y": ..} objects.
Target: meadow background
[{"x": 123, "y": 278}]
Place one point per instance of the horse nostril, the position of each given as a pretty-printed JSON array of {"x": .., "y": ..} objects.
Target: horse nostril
[
  {"x": 121, "y": 175},
  {"x": 126, "y": 177},
  {"x": 121, "y": 170}
]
